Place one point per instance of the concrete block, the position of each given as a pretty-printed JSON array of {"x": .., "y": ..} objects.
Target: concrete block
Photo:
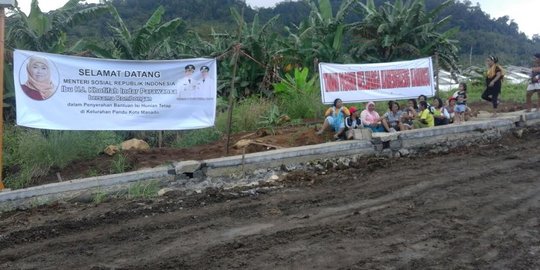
[
  {"x": 188, "y": 166},
  {"x": 531, "y": 116},
  {"x": 386, "y": 137},
  {"x": 533, "y": 122},
  {"x": 328, "y": 149},
  {"x": 362, "y": 134},
  {"x": 470, "y": 126},
  {"x": 395, "y": 144}
]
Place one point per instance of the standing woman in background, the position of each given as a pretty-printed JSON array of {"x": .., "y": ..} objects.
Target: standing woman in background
[
  {"x": 534, "y": 85},
  {"x": 494, "y": 77}
]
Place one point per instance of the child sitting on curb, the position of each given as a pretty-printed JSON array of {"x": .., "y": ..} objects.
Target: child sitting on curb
[
  {"x": 461, "y": 103},
  {"x": 352, "y": 122}
]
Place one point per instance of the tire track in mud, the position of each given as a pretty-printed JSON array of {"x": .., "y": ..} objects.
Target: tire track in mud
[
  {"x": 469, "y": 210},
  {"x": 332, "y": 217}
]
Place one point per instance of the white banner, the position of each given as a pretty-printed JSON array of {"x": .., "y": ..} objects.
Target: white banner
[
  {"x": 77, "y": 93},
  {"x": 373, "y": 82}
]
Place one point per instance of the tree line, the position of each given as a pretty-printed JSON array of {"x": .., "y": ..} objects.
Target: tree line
[{"x": 478, "y": 33}]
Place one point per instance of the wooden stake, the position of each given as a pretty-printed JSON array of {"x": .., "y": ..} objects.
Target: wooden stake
[{"x": 2, "y": 22}]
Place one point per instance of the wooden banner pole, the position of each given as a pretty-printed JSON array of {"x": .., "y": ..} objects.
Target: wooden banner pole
[{"x": 2, "y": 23}]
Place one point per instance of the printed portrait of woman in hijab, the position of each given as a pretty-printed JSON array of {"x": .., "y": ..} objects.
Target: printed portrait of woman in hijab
[{"x": 38, "y": 85}]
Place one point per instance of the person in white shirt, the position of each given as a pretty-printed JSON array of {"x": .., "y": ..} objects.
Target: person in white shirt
[
  {"x": 206, "y": 86},
  {"x": 187, "y": 85}
]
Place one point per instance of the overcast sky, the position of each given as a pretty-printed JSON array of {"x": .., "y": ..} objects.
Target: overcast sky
[{"x": 524, "y": 12}]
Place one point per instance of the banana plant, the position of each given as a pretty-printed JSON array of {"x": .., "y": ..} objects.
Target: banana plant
[
  {"x": 153, "y": 40},
  {"x": 319, "y": 37},
  {"x": 46, "y": 32},
  {"x": 402, "y": 31},
  {"x": 38, "y": 31},
  {"x": 257, "y": 42}
]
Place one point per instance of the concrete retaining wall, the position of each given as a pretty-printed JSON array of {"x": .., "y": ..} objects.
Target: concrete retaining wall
[{"x": 382, "y": 144}]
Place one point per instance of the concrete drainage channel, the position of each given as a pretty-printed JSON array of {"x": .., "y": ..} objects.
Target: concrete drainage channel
[{"x": 256, "y": 168}]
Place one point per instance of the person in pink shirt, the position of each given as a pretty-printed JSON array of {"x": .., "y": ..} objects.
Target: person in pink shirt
[{"x": 371, "y": 119}]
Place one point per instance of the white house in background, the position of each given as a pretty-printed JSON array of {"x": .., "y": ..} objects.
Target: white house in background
[
  {"x": 447, "y": 82},
  {"x": 513, "y": 75}
]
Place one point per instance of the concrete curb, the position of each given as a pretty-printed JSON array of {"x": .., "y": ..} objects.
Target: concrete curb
[
  {"x": 275, "y": 158},
  {"x": 85, "y": 183}
]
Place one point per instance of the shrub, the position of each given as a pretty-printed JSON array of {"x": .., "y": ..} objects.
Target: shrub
[
  {"x": 31, "y": 153},
  {"x": 298, "y": 96},
  {"x": 143, "y": 190}
]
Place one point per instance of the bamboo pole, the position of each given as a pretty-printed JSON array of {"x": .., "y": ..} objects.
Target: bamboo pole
[
  {"x": 438, "y": 72},
  {"x": 2, "y": 23},
  {"x": 236, "y": 53},
  {"x": 237, "y": 49}
]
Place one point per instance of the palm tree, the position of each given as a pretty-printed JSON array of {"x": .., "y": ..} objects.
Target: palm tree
[{"x": 403, "y": 31}]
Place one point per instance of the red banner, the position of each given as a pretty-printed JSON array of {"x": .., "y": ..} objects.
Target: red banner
[{"x": 373, "y": 82}]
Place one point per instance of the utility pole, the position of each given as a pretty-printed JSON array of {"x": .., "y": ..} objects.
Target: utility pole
[{"x": 3, "y": 4}]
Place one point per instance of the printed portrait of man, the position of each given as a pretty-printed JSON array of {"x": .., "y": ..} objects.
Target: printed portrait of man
[
  {"x": 188, "y": 85},
  {"x": 206, "y": 85}
]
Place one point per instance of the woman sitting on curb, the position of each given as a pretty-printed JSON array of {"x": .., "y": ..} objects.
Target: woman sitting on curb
[
  {"x": 441, "y": 115},
  {"x": 426, "y": 118},
  {"x": 371, "y": 119},
  {"x": 352, "y": 122},
  {"x": 335, "y": 118},
  {"x": 391, "y": 119},
  {"x": 409, "y": 114}
]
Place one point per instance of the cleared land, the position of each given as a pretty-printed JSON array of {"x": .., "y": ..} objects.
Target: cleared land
[{"x": 474, "y": 208}]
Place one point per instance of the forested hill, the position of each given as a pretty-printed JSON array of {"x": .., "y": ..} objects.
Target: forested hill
[{"x": 479, "y": 34}]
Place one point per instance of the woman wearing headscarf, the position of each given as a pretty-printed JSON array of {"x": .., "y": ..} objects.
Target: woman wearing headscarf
[
  {"x": 39, "y": 85},
  {"x": 371, "y": 119},
  {"x": 494, "y": 77}
]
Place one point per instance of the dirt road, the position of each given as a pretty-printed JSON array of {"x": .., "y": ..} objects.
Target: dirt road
[{"x": 476, "y": 208}]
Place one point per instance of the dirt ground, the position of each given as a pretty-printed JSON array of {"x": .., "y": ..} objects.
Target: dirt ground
[
  {"x": 265, "y": 140},
  {"x": 474, "y": 208}
]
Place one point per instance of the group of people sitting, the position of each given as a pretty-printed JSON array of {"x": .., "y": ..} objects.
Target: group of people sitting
[{"x": 416, "y": 114}]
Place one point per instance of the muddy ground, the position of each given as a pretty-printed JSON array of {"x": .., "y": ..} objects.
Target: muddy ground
[{"x": 474, "y": 208}]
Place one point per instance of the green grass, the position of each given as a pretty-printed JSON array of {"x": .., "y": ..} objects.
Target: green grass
[
  {"x": 143, "y": 190},
  {"x": 120, "y": 164},
  {"x": 100, "y": 196}
]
